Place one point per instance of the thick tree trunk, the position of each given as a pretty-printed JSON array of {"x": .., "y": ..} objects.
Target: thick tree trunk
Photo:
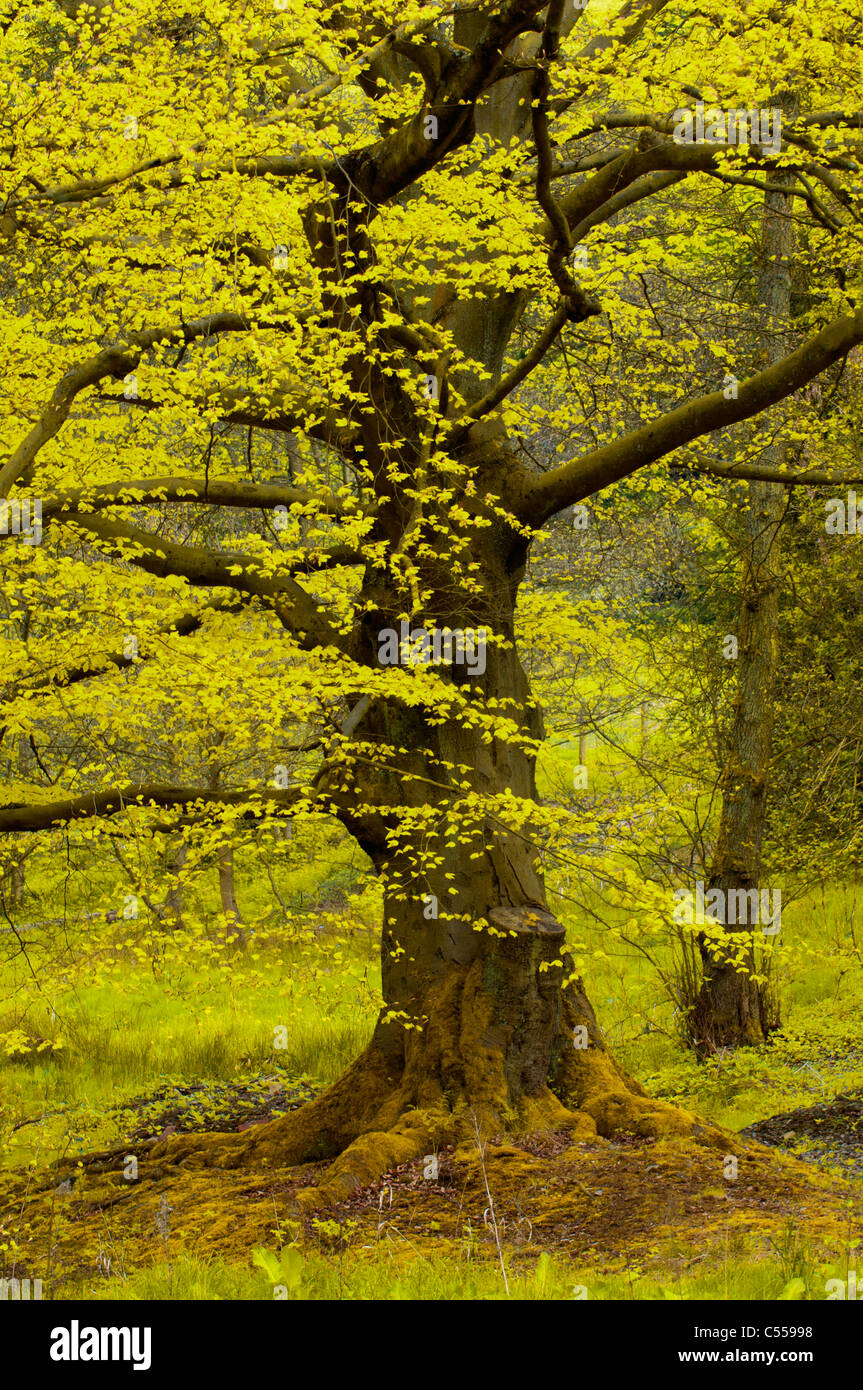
[
  {"x": 732, "y": 1008},
  {"x": 472, "y": 959},
  {"x": 484, "y": 1021}
]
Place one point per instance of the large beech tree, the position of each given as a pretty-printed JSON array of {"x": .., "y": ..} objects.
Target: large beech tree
[{"x": 332, "y": 279}]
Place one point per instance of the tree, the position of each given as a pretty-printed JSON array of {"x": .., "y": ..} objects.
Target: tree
[
  {"x": 733, "y": 1005},
  {"x": 377, "y": 231}
]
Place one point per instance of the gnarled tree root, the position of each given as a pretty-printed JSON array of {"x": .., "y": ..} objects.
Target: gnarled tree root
[
  {"x": 321, "y": 1129},
  {"x": 391, "y": 1107},
  {"x": 366, "y": 1156}
]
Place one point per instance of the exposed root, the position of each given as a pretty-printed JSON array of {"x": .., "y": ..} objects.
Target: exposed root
[
  {"x": 375, "y": 1153},
  {"x": 620, "y": 1112},
  {"x": 320, "y": 1129},
  {"x": 592, "y": 1084},
  {"x": 585, "y": 1199},
  {"x": 419, "y": 1133},
  {"x": 407, "y": 1095},
  {"x": 365, "y": 1139}
]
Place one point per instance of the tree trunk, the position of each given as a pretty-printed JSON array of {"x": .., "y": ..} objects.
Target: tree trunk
[
  {"x": 484, "y": 1019},
  {"x": 225, "y": 856},
  {"x": 228, "y": 893},
  {"x": 14, "y": 883},
  {"x": 174, "y": 859},
  {"x": 732, "y": 1009}
]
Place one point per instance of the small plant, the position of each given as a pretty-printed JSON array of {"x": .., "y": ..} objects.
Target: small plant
[
  {"x": 284, "y": 1270},
  {"x": 489, "y": 1211},
  {"x": 334, "y": 1235},
  {"x": 797, "y": 1264}
]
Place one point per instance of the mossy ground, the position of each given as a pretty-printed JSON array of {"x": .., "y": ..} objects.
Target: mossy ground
[{"x": 664, "y": 1209}]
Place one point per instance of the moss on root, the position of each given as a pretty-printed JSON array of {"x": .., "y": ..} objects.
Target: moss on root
[{"x": 566, "y": 1190}]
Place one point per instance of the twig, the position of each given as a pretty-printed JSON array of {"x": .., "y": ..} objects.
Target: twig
[{"x": 481, "y": 1151}]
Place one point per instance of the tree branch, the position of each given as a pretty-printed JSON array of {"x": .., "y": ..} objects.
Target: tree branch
[
  {"x": 392, "y": 164},
  {"x": 114, "y": 361},
  {"x": 49, "y": 814},
  {"x": 301, "y": 614},
  {"x": 183, "y": 626},
  {"x": 581, "y": 477},
  {"x": 522, "y": 368},
  {"x": 809, "y": 477},
  {"x": 142, "y": 491}
]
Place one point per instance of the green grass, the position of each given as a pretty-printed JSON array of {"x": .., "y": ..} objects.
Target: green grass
[
  {"x": 124, "y": 1037},
  {"x": 390, "y": 1271}
]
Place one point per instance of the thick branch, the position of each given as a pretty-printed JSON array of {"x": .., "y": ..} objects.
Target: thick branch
[
  {"x": 394, "y": 163},
  {"x": 73, "y": 808},
  {"x": 142, "y": 491},
  {"x": 304, "y": 618},
  {"x": 581, "y": 477},
  {"x": 115, "y": 361},
  {"x": 289, "y": 407},
  {"x": 581, "y": 305}
]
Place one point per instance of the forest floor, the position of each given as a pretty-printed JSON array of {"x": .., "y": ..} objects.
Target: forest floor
[
  {"x": 666, "y": 1209},
  {"x": 830, "y": 1134},
  {"x": 125, "y": 1043}
]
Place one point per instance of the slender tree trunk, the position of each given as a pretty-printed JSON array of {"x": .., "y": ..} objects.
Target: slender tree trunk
[
  {"x": 731, "y": 1008},
  {"x": 225, "y": 860},
  {"x": 228, "y": 893},
  {"x": 174, "y": 859},
  {"x": 14, "y": 882}
]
